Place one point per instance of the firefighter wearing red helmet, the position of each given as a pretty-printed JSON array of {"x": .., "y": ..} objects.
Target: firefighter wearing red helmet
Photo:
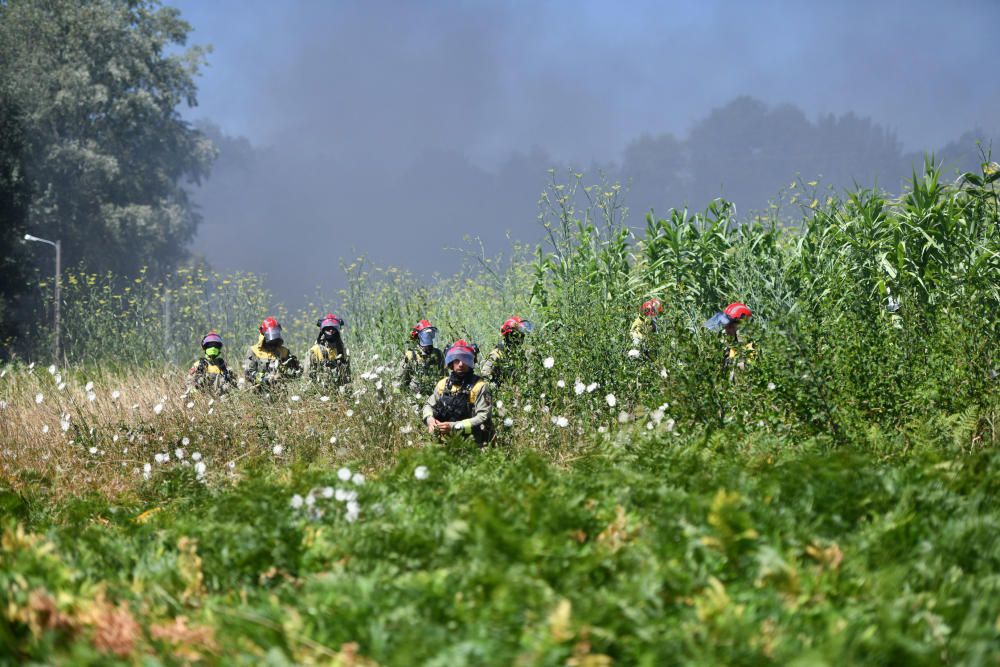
[
  {"x": 269, "y": 361},
  {"x": 738, "y": 351},
  {"x": 503, "y": 360},
  {"x": 461, "y": 403},
  {"x": 210, "y": 373},
  {"x": 646, "y": 323},
  {"x": 423, "y": 363},
  {"x": 329, "y": 362}
]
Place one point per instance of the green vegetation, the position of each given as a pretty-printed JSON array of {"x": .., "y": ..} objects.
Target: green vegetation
[{"x": 832, "y": 503}]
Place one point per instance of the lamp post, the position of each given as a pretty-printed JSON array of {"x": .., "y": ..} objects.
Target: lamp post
[{"x": 57, "y": 246}]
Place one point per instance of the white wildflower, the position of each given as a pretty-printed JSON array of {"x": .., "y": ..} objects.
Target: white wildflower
[
  {"x": 333, "y": 440},
  {"x": 89, "y": 386},
  {"x": 656, "y": 416},
  {"x": 147, "y": 470},
  {"x": 340, "y": 495},
  {"x": 199, "y": 468},
  {"x": 297, "y": 501},
  {"x": 612, "y": 401},
  {"x": 189, "y": 405},
  {"x": 353, "y": 511},
  {"x": 663, "y": 373},
  {"x": 296, "y": 397},
  {"x": 771, "y": 386},
  {"x": 344, "y": 474},
  {"x": 39, "y": 398},
  {"x": 179, "y": 453},
  {"x": 327, "y": 492},
  {"x": 115, "y": 395},
  {"x": 527, "y": 407},
  {"x": 310, "y": 500},
  {"x": 358, "y": 479},
  {"x": 196, "y": 456},
  {"x": 560, "y": 421},
  {"x": 669, "y": 425},
  {"x": 3, "y": 405},
  {"x": 624, "y": 417},
  {"x": 45, "y": 428},
  {"x": 158, "y": 408},
  {"x": 508, "y": 422},
  {"x": 549, "y": 362},
  {"x": 93, "y": 450},
  {"x": 61, "y": 386},
  {"x": 278, "y": 449},
  {"x": 185, "y": 441},
  {"x": 601, "y": 429},
  {"x": 231, "y": 465},
  {"x": 634, "y": 353},
  {"x": 64, "y": 424},
  {"x": 592, "y": 387},
  {"x": 406, "y": 429},
  {"x": 158, "y": 458},
  {"x": 421, "y": 472},
  {"x": 324, "y": 399},
  {"x": 561, "y": 384},
  {"x": 579, "y": 387},
  {"x": 91, "y": 396},
  {"x": 52, "y": 369},
  {"x": 349, "y": 413}
]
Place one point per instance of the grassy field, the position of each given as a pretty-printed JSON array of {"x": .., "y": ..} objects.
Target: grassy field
[{"x": 833, "y": 503}]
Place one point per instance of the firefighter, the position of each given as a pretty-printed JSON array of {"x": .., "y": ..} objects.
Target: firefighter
[
  {"x": 737, "y": 351},
  {"x": 461, "y": 403},
  {"x": 329, "y": 362},
  {"x": 646, "y": 324},
  {"x": 210, "y": 373},
  {"x": 423, "y": 364},
  {"x": 503, "y": 360},
  {"x": 268, "y": 362}
]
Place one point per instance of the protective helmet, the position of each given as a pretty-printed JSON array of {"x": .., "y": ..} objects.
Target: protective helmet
[
  {"x": 423, "y": 332},
  {"x": 652, "y": 307},
  {"x": 330, "y": 320},
  {"x": 211, "y": 339},
  {"x": 460, "y": 350},
  {"x": 515, "y": 324},
  {"x": 418, "y": 327},
  {"x": 738, "y": 311},
  {"x": 271, "y": 330}
]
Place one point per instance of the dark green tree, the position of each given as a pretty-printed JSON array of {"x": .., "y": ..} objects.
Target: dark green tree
[{"x": 95, "y": 88}]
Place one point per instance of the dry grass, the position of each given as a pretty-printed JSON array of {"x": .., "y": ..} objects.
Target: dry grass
[{"x": 101, "y": 437}]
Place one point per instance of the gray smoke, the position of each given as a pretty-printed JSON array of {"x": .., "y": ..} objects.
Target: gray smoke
[{"x": 397, "y": 128}]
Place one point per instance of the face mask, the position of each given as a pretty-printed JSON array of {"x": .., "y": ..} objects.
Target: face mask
[
  {"x": 213, "y": 352},
  {"x": 426, "y": 337}
]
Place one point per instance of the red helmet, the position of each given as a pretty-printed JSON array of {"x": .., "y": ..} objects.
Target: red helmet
[
  {"x": 418, "y": 327},
  {"x": 738, "y": 311},
  {"x": 210, "y": 339},
  {"x": 460, "y": 350},
  {"x": 330, "y": 320},
  {"x": 270, "y": 330},
  {"x": 515, "y": 324},
  {"x": 652, "y": 308}
]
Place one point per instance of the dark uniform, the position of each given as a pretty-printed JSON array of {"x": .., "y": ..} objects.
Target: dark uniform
[{"x": 466, "y": 401}]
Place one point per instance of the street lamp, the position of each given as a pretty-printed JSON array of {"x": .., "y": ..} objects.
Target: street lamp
[{"x": 56, "y": 245}]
